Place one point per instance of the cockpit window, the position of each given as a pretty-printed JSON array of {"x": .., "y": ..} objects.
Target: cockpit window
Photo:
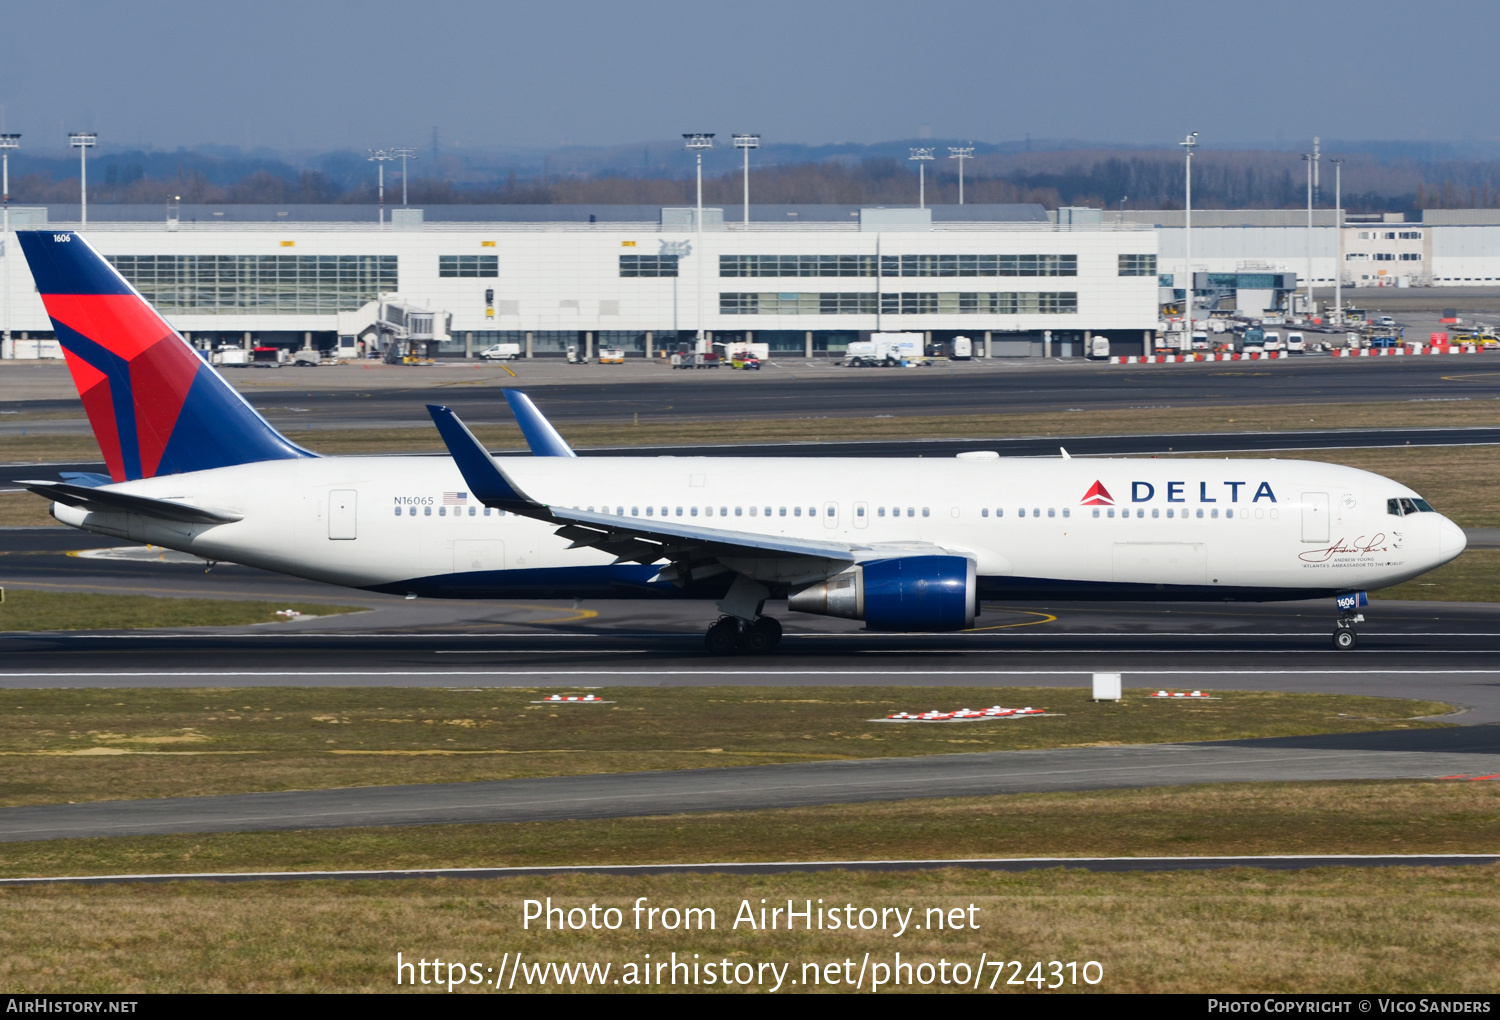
[{"x": 1402, "y": 506}]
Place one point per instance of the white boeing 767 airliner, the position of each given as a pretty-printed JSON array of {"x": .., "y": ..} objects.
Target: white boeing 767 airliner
[{"x": 902, "y": 544}]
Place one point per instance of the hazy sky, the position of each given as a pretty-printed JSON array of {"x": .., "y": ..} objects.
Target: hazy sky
[{"x": 493, "y": 74}]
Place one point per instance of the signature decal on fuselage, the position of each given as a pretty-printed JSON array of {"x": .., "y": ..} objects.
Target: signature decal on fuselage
[{"x": 1360, "y": 547}]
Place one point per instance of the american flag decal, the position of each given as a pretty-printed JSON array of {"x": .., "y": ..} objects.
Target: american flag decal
[{"x": 455, "y": 498}]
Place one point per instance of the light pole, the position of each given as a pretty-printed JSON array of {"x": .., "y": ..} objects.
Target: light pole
[
  {"x": 406, "y": 153},
  {"x": 1338, "y": 247},
  {"x": 697, "y": 142},
  {"x": 380, "y": 157},
  {"x": 1309, "y": 158},
  {"x": 922, "y": 156},
  {"x": 747, "y": 142},
  {"x": 961, "y": 153},
  {"x": 83, "y": 141},
  {"x": 7, "y": 144},
  {"x": 1189, "y": 143}
]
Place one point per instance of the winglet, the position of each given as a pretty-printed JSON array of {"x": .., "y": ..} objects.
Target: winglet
[
  {"x": 540, "y": 435},
  {"x": 484, "y": 477}
]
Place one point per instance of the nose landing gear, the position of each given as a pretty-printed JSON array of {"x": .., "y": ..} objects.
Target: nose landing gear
[
  {"x": 1344, "y": 636},
  {"x": 730, "y": 634}
]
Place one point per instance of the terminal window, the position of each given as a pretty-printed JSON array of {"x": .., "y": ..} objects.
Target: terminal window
[
  {"x": 979, "y": 265},
  {"x": 796, "y": 265},
  {"x": 908, "y": 303},
  {"x": 834, "y": 303},
  {"x": 1137, "y": 265},
  {"x": 648, "y": 265},
  {"x": 268, "y": 284},
  {"x": 468, "y": 265},
  {"x": 979, "y": 303}
]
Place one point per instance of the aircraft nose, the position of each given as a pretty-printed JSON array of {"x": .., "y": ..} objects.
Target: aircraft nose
[{"x": 1451, "y": 539}]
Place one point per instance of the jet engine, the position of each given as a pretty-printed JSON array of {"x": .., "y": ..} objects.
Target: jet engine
[{"x": 909, "y": 593}]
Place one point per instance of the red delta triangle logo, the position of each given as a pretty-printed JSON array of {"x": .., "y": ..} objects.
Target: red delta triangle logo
[{"x": 1098, "y": 495}]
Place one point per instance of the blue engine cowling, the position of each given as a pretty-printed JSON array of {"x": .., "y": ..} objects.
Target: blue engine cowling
[{"x": 908, "y": 593}]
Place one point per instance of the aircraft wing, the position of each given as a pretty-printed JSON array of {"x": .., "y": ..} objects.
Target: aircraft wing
[
  {"x": 629, "y": 539},
  {"x": 108, "y": 501}
]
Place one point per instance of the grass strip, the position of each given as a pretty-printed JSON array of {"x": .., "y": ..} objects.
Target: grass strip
[
  {"x": 1348, "y": 930},
  {"x": 81, "y": 745},
  {"x": 1454, "y": 479},
  {"x": 672, "y": 430},
  {"x": 25, "y": 610},
  {"x": 1473, "y": 577},
  {"x": 1344, "y": 817}
]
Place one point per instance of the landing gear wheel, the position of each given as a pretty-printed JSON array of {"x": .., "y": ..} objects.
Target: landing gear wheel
[
  {"x": 1344, "y": 639},
  {"x": 722, "y": 637},
  {"x": 761, "y": 636}
]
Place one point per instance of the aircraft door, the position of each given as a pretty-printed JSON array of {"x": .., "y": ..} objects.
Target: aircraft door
[
  {"x": 341, "y": 514},
  {"x": 1315, "y": 517},
  {"x": 861, "y": 515},
  {"x": 830, "y": 515}
]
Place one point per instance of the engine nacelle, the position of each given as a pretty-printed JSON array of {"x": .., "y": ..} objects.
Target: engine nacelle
[{"x": 929, "y": 593}]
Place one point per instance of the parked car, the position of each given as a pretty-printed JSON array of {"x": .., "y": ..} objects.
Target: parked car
[
  {"x": 1385, "y": 320},
  {"x": 1295, "y": 343}
]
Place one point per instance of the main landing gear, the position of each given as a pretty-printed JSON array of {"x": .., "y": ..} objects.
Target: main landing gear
[{"x": 730, "y": 634}]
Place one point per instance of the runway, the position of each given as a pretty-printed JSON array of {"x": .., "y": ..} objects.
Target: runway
[{"x": 635, "y": 794}]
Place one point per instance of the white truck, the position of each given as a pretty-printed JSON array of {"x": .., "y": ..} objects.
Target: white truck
[
  {"x": 1273, "y": 340},
  {"x": 963, "y": 348},
  {"x": 885, "y": 350},
  {"x": 1295, "y": 342},
  {"x": 1098, "y": 348}
]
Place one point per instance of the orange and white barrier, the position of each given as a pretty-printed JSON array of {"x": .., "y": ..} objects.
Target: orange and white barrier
[
  {"x": 1337, "y": 352},
  {"x": 1413, "y": 349}
]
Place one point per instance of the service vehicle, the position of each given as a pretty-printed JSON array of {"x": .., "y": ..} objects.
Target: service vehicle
[
  {"x": 307, "y": 359},
  {"x": 230, "y": 357},
  {"x": 1272, "y": 340},
  {"x": 1200, "y": 341},
  {"x": 963, "y": 349},
  {"x": 1099, "y": 347},
  {"x": 501, "y": 352},
  {"x": 1255, "y": 340},
  {"x": 1295, "y": 343},
  {"x": 885, "y": 350},
  {"x": 903, "y": 544},
  {"x": 268, "y": 357},
  {"x": 1385, "y": 320},
  {"x": 744, "y": 360},
  {"x": 611, "y": 356}
]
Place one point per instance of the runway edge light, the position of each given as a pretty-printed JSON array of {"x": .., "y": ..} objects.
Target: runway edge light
[{"x": 1106, "y": 686}]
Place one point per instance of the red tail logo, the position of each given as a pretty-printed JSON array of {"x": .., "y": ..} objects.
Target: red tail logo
[{"x": 1098, "y": 495}]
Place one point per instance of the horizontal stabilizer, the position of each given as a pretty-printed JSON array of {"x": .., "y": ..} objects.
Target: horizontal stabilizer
[{"x": 108, "y": 501}]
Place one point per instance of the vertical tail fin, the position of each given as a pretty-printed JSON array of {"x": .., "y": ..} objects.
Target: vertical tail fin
[{"x": 156, "y": 407}]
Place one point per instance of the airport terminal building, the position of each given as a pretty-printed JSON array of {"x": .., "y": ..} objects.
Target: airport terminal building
[{"x": 805, "y": 280}]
